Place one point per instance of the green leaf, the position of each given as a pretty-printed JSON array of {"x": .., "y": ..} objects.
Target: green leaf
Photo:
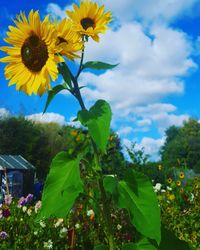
[
  {"x": 110, "y": 184},
  {"x": 62, "y": 187},
  {"x": 64, "y": 71},
  {"x": 143, "y": 244},
  {"x": 97, "y": 119},
  {"x": 137, "y": 196},
  {"x": 100, "y": 247},
  {"x": 170, "y": 241},
  {"x": 98, "y": 65},
  {"x": 51, "y": 95}
]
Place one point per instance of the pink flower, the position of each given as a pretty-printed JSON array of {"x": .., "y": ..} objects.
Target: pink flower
[{"x": 8, "y": 199}]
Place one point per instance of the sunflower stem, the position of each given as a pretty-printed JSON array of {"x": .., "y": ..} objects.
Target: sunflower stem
[{"x": 106, "y": 213}]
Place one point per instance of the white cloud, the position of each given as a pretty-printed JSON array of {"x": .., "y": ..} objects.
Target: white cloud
[
  {"x": 47, "y": 118},
  {"x": 148, "y": 10},
  {"x": 56, "y": 11},
  {"x": 148, "y": 71},
  {"x": 124, "y": 131},
  {"x": 4, "y": 113},
  {"x": 151, "y": 146}
]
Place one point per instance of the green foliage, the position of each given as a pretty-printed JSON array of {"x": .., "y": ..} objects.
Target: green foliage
[
  {"x": 143, "y": 244},
  {"x": 136, "y": 194},
  {"x": 98, "y": 65},
  {"x": 100, "y": 247},
  {"x": 183, "y": 143},
  {"x": 61, "y": 190},
  {"x": 170, "y": 241},
  {"x": 97, "y": 119}
]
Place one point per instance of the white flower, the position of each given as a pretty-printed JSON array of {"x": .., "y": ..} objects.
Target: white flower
[
  {"x": 77, "y": 226},
  {"x": 163, "y": 190},
  {"x": 157, "y": 187},
  {"x": 63, "y": 232},
  {"x": 90, "y": 212},
  {"x": 35, "y": 233},
  {"x": 24, "y": 208},
  {"x": 119, "y": 227},
  {"x": 38, "y": 206},
  {"x": 42, "y": 224},
  {"x": 169, "y": 188},
  {"x": 58, "y": 222},
  {"x": 48, "y": 244}
]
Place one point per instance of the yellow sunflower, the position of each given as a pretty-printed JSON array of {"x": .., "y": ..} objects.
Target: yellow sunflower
[
  {"x": 178, "y": 183},
  {"x": 68, "y": 39},
  {"x": 181, "y": 175},
  {"x": 32, "y": 58},
  {"x": 169, "y": 180},
  {"x": 89, "y": 19}
]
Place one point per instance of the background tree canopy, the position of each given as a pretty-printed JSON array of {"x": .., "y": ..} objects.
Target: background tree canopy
[{"x": 182, "y": 146}]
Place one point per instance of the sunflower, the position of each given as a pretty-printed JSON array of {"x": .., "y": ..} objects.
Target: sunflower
[
  {"x": 181, "y": 175},
  {"x": 178, "y": 183},
  {"x": 68, "y": 39},
  {"x": 196, "y": 179},
  {"x": 89, "y": 19},
  {"x": 32, "y": 58},
  {"x": 169, "y": 180}
]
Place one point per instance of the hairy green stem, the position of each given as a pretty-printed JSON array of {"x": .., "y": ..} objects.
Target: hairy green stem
[{"x": 106, "y": 208}]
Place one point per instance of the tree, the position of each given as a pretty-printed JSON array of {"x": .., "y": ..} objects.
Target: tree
[{"x": 182, "y": 146}]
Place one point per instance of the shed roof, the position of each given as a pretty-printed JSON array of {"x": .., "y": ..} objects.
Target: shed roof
[{"x": 14, "y": 162}]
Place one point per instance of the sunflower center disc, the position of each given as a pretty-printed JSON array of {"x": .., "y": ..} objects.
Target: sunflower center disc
[
  {"x": 87, "y": 22},
  {"x": 34, "y": 53}
]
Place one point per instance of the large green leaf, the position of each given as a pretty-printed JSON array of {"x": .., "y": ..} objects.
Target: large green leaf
[
  {"x": 137, "y": 196},
  {"x": 97, "y": 119},
  {"x": 51, "y": 95},
  {"x": 62, "y": 187},
  {"x": 143, "y": 244},
  {"x": 65, "y": 72},
  {"x": 170, "y": 241},
  {"x": 110, "y": 184},
  {"x": 98, "y": 65}
]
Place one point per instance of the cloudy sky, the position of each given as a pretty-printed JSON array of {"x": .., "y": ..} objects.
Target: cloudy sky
[{"x": 157, "y": 82}]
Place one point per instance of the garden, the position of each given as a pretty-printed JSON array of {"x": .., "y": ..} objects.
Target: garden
[{"x": 94, "y": 197}]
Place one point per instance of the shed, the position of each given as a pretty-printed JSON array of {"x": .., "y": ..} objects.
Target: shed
[{"x": 17, "y": 174}]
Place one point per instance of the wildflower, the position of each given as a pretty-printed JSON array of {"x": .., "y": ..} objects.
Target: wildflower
[
  {"x": 77, "y": 226},
  {"x": 196, "y": 179},
  {"x": 181, "y": 190},
  {"x": 169, "y": 180},
  {"x": 196, "y": 186},
  {"x": 169, "y": 188},
  {"x": 48, "y": 244},
  {"x": 181, "y": 175},
  {"x": 163, "y": 191},
  {"x": 119, "y": 226},
  {"x": 58, "y": 222},
  {"x": 178, "y": 183},
  {"x": 33, "y": 56},
  {"x": 89, "y": 19},
  {"x": 3, "y": 235},
  {"x": 42, "y": 224},
  {"x": 28, "y": 198},
  {"x": 8, "y": 199},
  {"x": 24, "y": 208},
  {"x": 157, "y": 187},
  {"x": 29, "y": 212},
  {"x": 63, "y": 232},
  {"x": 171, "y": 197},
  {"x": 21, "y": 202},
  {"x": 6, "y": 211},
  {"x": 90, "y": 213},
  {"x": 35, "y": 232},
  {"x": 159, "y": 167},
  {"x": 38, "y": 206}
]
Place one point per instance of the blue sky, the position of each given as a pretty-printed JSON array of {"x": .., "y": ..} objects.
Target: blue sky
[{"x": 157, "y": 83}]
